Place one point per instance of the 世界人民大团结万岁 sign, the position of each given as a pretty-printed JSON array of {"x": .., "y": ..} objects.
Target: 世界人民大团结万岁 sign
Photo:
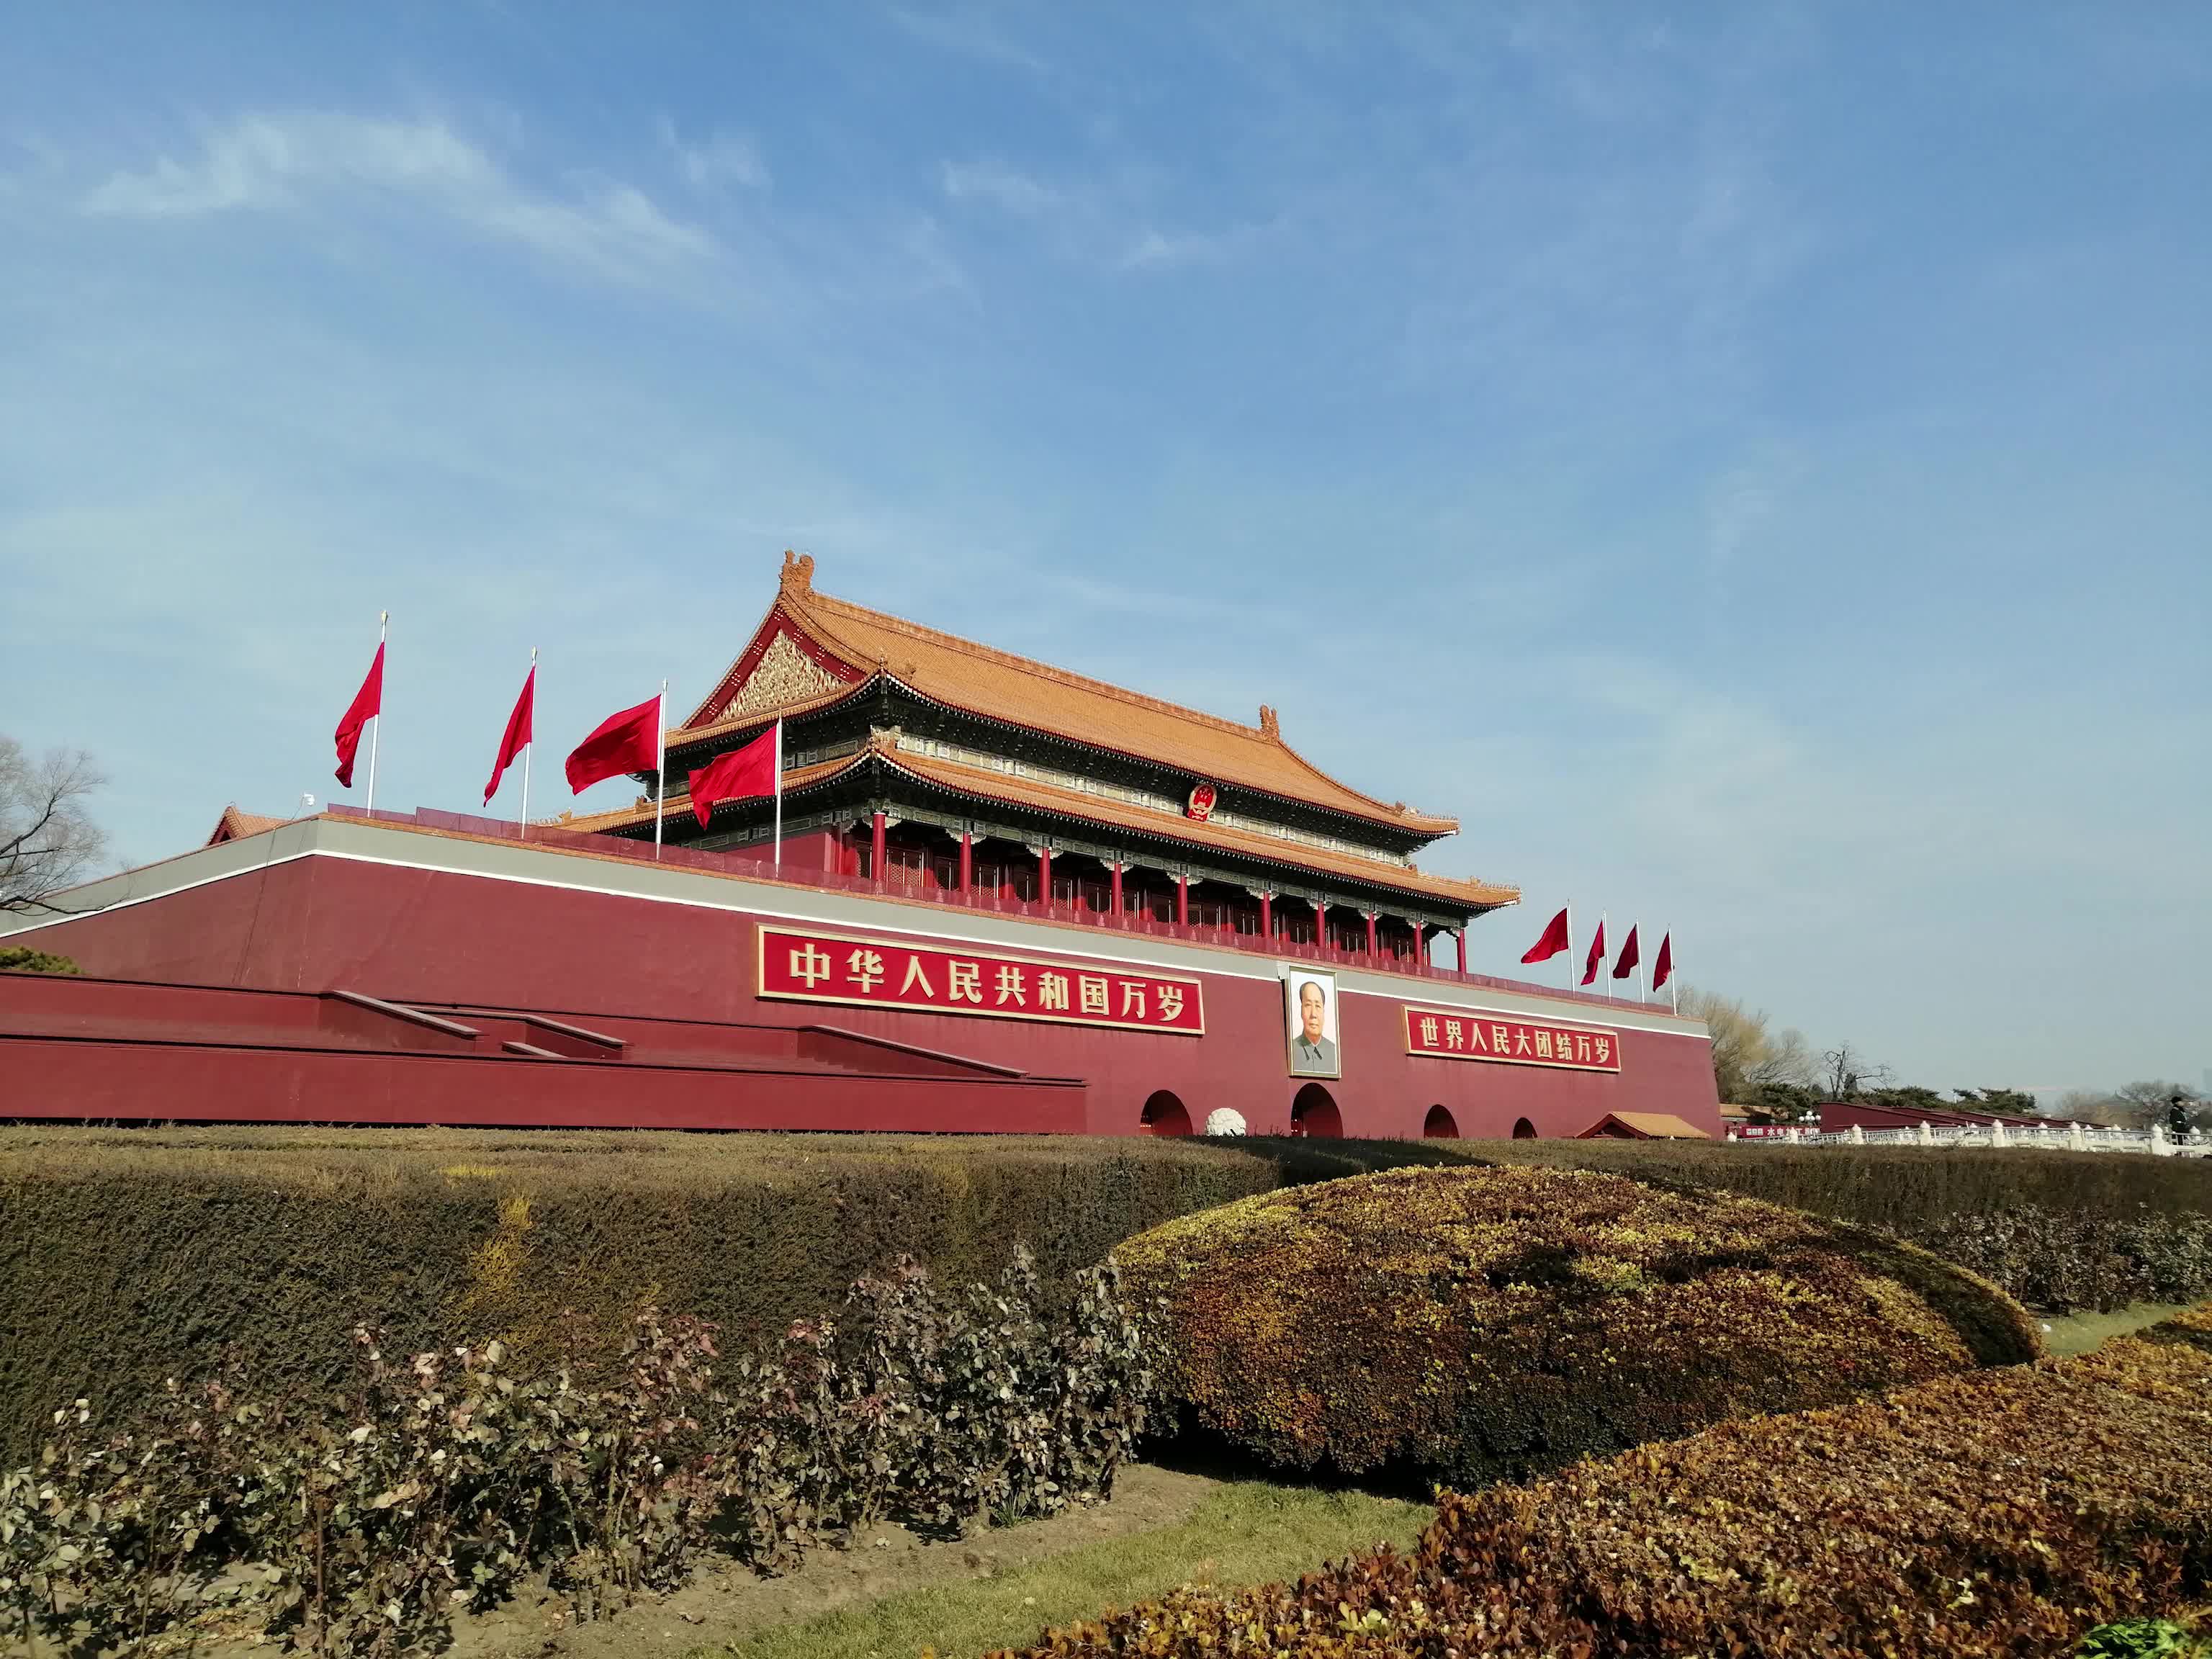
[{"x": 1509, "y": 1039}]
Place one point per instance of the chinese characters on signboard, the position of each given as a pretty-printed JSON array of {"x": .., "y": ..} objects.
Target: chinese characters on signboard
[
  {"x": 806, "y": 966},
  {"x": 1456, "y": 1033}
]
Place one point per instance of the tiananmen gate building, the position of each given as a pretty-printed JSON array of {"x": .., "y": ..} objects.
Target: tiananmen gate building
[{"x": 1009, "y": 898}]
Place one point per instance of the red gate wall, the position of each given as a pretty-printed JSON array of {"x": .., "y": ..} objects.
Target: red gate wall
[{"x": 414, "y": 935}]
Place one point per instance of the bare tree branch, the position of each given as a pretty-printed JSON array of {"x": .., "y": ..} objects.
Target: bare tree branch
[
  {"x": 1748, "y": 1060},
  {"x": 48, "y": 841},
  {"x": 1848, "y": 1073}
]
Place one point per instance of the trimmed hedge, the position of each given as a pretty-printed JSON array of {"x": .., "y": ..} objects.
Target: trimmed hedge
[
  {"x": 1907, "y": 1190},
  {"x": 2002, "y": 1513},
  {"x": 1495, "y": 1322},
  {"x": 130, "y": 1256},
  {"x": 2060, "y": 1230},
  {"x": 2064, "y": 1260}
]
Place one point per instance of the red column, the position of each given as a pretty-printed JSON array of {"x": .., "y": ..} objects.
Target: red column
[
  {"x": 967, "y": 861},
  {"x": 1371, "y": 933},
  {"x": 1266, "y": 916},
  {"x": 1114, "y": 898},
  {"x": 1320, "y": 924},
  {"x": 1459, "y": 934},
  {"x": 876, "y": 858},
  {"x": 1044, "y": 876},
  {"x": 1182, "y": 901}
]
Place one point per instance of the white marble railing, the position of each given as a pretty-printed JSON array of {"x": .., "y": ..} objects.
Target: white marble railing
[{"x": 2054, "y": 1137}]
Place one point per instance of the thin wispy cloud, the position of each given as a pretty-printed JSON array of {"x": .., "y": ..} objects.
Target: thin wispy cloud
[
  {"x": 283, "y": 161},
  {"x": 1157, "y": 250},
  {"x": 1000, "y": 185},
  {"x": 969, "y": 31},
  {"x": 721, "y": 158},
  {"x": 1100, "y": 222}
]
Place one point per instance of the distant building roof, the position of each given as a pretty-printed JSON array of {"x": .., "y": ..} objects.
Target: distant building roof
[
  {"x": 1643, "y": 1126},
  {"x": 1838, "y": 1114},
  {"x": 234, "y": 824}
]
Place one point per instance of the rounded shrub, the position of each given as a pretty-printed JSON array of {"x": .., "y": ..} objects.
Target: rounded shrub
[{"x": 1488, "y": 1322}]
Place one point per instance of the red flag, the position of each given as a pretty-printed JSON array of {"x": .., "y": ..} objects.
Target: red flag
[
  {"x": 739, "y": 775},
  {"x": 1553, "y": 942},
  {"x": 517, "y": 736},
  {"x": 368, "y": 704},
  {"x": 1626, "y": 965},
  {"x": 1662, "y": 966},
  {"x": 1597, "y": 953},
  {"x": 627, "y": 742}
]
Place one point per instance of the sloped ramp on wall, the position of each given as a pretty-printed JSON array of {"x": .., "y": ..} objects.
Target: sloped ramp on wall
[{"x": 87, "y": 1049}]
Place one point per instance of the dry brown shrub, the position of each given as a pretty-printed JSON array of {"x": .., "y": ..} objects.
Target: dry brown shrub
[
  {"x": 1497, "y": 1322},
  {"x": 2005, "y": 1512}
]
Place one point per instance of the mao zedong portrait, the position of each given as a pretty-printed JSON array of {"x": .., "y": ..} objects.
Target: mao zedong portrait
[{"x": 1311, "y": 1053}]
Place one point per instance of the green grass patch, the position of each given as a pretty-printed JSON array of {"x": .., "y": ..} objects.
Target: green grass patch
[
  {"x": 2079, "y": 1333},
  {"x": 1246, "y": 1531}
]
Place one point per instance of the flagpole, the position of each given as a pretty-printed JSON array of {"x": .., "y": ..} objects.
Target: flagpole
[
  {"x": 531, "y": 745},
  {"x": 778, "y": 791},
  {"x": 1674, "y": 973},
  {"x": 383, "y": 621},
  {"x": 1570, "y": 945},
  {"x": 1601, "y": 972},
  {"x": 660, "y": 765}
]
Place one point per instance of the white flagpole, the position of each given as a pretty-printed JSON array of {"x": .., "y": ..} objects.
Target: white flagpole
[
  {"x": 779, "y": 793},
  {"x": 1642, "y": 974},
  {"x": 383, "y": 620},
  {"x": 1570, "y": 945},
  {"x": 1674, "y": 973},
  {"x": 531, "y": 745},
  {"x": 1604, "y": 972},
  {"x": 660, "y": 764}
]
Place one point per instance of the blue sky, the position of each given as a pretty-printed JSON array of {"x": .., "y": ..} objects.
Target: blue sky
[{"x": 1752, "y": 463}]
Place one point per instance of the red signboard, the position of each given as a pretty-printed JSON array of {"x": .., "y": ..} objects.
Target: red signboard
[
  {"x": 808, "y": 965},
  {"x": 1511, "y": 1040}
]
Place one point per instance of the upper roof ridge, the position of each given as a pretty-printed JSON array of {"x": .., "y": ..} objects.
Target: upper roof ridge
[
  {"x": 953, "y": 667},
  {"x": 815, "y": 603}
]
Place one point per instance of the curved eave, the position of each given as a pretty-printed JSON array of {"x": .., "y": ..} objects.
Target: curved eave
[
  {"x": 1100, "y": 818},
  {"x": 751, "y": 726}
]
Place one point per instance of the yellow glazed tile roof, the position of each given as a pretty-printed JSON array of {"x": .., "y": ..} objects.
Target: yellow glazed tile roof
[
  {"x": 234, "y": 824},
  {"x": 983, "y": 783},
  {"x": 1658, "y": 1126},
  {"x": 999, "y": 686}
]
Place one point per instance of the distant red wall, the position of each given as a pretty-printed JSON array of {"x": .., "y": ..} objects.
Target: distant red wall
[{"x": 411, "y": 934}]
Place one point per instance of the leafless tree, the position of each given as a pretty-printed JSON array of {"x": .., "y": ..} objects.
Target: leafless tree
[
  {"x": 48, "y": 841},
  {"x": 2155, "y": 1100},
  {"x": 2134, "y": 1106},
  {"x": 1847, "y": 1072},
  {"x": 1748, "y": 1059},
  {"x": 2093, "y": 1106}
]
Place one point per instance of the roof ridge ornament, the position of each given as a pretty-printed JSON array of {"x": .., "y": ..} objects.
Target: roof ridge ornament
[
  {"x": 1270, "y": 723},
  {"x": 797, "y": 576}
]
